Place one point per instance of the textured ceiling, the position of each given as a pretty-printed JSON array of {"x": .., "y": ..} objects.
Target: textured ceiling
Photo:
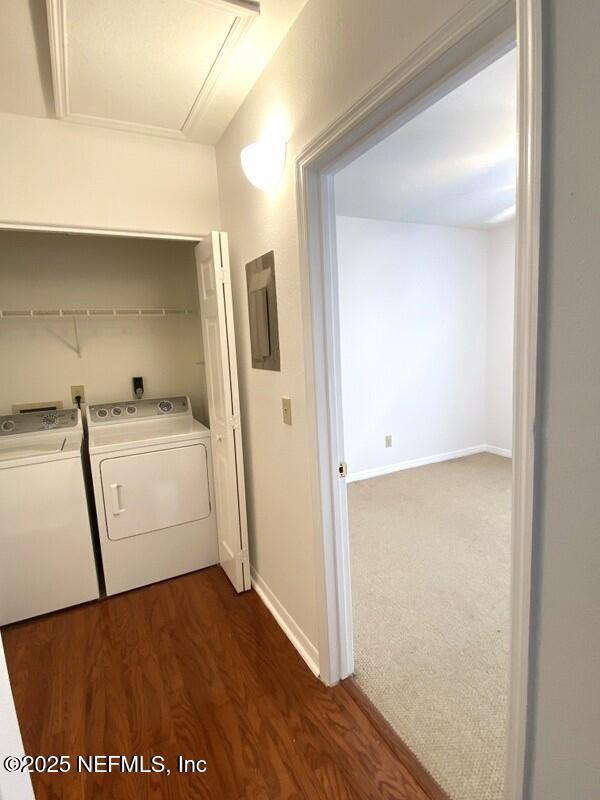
[
  {"x": 453, "y": 164},
  {"x": 174, "y": 68}
]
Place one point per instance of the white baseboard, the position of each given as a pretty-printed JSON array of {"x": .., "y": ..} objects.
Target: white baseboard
[
  {"x": 375, "y": 472},
  {"x": 413, "y": 462},
  {"x": 498, "y": 451},
  {"x": 287, "y": 623}
]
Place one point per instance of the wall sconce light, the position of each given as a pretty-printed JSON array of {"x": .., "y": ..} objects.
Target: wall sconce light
[{"x": 263, "y": 163}]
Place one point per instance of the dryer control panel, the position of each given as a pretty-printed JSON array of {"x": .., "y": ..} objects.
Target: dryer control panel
[
  {"x": 133, "y": 410},
  {"x": 36, "y": 421}
]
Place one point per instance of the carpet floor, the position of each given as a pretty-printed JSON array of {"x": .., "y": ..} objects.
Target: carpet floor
[{"x": 430, "y": 587}]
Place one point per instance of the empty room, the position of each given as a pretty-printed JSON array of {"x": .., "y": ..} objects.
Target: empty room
[{"x": 426, "y": 262}]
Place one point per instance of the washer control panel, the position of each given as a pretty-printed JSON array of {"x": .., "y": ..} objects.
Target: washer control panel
[
  {"x": 36, "y": 421},
  {"x": 130, "y": 410}
]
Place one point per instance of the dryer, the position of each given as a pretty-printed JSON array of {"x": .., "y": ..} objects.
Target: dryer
[
  {"x": 152, "y": 474},
  {"x": 46, "y": 550}
]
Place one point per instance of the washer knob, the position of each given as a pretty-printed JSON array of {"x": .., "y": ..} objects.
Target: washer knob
[
  {"x": 49, "y": 420},
  {"x": 165, "y": 406},
  {"x": 131, "y": 410},
  {"x": 117, "y": 411},
  {"x": 102, "y": 413},
  {"x": 8, "y": 425}
]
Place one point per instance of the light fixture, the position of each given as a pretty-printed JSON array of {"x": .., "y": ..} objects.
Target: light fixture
[{"x": 263, "y": 162}]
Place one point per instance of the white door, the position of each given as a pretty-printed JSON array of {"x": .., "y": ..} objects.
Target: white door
[{"x": 216, "y": 309}]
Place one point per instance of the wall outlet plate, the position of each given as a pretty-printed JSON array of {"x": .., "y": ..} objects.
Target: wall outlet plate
[
  {"x": 77, "y": 391},
  {"x": 388, "y": 440}
]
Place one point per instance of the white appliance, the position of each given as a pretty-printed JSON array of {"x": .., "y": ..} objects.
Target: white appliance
[
  {"x": 152, "y": 472},
  {"x": 46, "y": 551}
]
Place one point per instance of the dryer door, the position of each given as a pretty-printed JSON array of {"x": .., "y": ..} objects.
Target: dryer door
[{"x": 152, "y": 491}]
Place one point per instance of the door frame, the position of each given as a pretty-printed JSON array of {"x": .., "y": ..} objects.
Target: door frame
[{"x": 474, "y": 37}]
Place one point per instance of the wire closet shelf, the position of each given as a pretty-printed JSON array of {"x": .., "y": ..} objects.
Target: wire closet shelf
[
  {"x": 86, "y": 313},
  {"x": 77, "y": 314}
]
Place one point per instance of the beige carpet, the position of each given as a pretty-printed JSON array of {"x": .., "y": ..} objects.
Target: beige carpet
[{"x": 430, "y": 578}]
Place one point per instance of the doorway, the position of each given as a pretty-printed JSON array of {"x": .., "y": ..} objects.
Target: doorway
[
  {"x": 447, "y": 62},
  {"x": 426, "y": 257}
]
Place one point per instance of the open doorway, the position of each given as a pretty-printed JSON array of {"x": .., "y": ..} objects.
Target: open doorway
[
  {"x": 425, "y": 223},
  {"x": 446, "y": 62}
]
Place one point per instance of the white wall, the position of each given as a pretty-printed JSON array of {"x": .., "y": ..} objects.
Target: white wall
[
  {"x": 60, "y": 173},
  {"x": 413, "y": 334},
  {"x": 335, "y": 51},
  {"x": 42, "y": 270},
  {"x": 13, "y": 785},
  {"x": 565, "y": 637},
  {"x": 426, "y": 317},
  {"x": 499, "y": 335}
]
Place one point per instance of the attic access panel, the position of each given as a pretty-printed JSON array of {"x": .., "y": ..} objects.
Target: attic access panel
[
  {"x": 262, "y": 312},
  {"x": 142, "y": 66}
]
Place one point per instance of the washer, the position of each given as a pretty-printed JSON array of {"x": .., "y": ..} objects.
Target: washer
[
  {"x": 152, "y": 473},
  {"x": 46, "y": 551}
]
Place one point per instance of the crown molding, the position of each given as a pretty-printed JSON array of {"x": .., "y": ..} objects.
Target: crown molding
[
  {"x": 240, "y": 7},
  {"x": 246, "y": 12},
  {"x": 236, "y": 33},
  {"x": 123, "y": 125},
  {"x": 57, "y": 33}
]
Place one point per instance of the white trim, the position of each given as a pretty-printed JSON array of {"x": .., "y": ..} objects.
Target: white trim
[
  {"x": 57, "y": 34},
  {"x": 240, "y": 27},
  {"x": 245, "y": 12},
  {"x": 85, "y": 230},
  {"x": 387, "y": 469},
  {"x": 478, "y": 34},
  {"x": 375, "y": 472},
  {"x": 241, "y": 7},
  {"x": 122, "y": 125},
  {"x": 498, "y": 451},
  {"x": 530, "y": 77},
  {"x": 286, "y": 622}
]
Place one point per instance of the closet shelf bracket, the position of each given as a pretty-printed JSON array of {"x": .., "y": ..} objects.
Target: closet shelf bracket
[
  {"x": 91, "y": 313},
  {"x": 77, "y": 347}
]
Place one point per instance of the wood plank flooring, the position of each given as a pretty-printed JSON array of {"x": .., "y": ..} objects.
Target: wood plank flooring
[{"x": 187, "y": 667}]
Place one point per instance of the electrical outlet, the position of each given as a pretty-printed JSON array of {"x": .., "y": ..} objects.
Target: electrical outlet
[
  {"x": 77, "y": 391},
  {"x": 388, "y": 440},
  {"x": 286, "y": 408}
]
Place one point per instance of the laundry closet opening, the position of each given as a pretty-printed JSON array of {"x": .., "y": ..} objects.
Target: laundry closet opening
[
  {"x": 142, "y": 297},
  {"x": 121, "y": 460},
  {"x": 425, "y": 271}
]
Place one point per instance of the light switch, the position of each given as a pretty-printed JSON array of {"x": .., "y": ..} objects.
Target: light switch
[
  {"x": 388, "y": 440},
  {"x": 286, "y": 408}
]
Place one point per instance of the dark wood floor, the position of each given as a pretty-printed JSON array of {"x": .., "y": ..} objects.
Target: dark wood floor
[{"x": 187, "y": 667}]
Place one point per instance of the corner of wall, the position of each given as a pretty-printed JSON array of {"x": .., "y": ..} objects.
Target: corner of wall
[{"x": 287, "y": 623}]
